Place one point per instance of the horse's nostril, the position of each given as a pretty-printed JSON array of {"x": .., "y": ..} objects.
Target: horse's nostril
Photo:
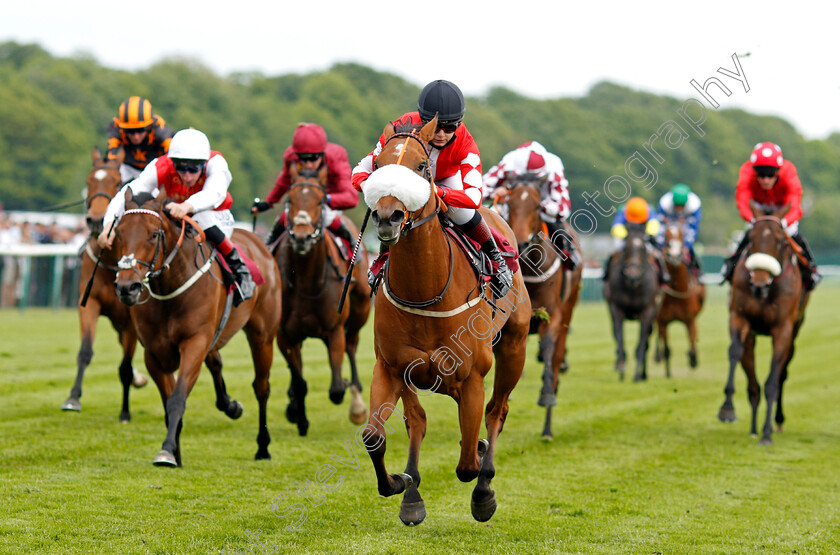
[{"x": 135, "y": 287}]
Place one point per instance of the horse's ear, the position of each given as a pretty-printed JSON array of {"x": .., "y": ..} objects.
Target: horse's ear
[
  {"x": 96, "y": 156},
  {"x": 781, "y": 212},
  {"x": 129, "y": 195},
  {"x": 119, "y": 157},
  {"x": 159, "y": 202},
  {"x": 389, "y": 131},
  {"x": 427, "y": 133}
]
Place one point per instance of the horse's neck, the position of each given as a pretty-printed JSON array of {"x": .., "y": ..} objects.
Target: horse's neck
[
  {"x": 186, "y": 262},
  {"x": 418, "y": 264},
  {"x": 680, "y": 276},
  {"x": 309, "y": 269}
]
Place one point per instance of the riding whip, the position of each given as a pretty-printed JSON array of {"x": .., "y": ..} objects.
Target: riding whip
[
  {"x": 93, "y": 274},
  {"x": 254, "y": 226},
  {"x": 64, "y": 205},
  {"x": 349, "y": 275}
]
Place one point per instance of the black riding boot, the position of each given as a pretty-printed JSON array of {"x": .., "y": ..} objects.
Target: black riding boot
[
  {"x": 810, "y": 276},
  {"x": 344, "y": 233},
  {"x": 563, "y": 242},
  {"x": 730, "y": 263},
  {"x": 502, "y": 280},
  {"x": 245, "y": 285}
]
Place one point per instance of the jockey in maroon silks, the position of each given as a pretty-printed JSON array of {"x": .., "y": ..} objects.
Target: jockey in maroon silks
[
  {"x": 311, "y": 151},
  {"x": 771, "y": 182},
  {"x": 456, "y": 168}
]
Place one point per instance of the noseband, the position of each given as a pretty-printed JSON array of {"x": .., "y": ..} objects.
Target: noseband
[
  {"x": 315, "y": 236},
  {"x": 409, "y": 222}
]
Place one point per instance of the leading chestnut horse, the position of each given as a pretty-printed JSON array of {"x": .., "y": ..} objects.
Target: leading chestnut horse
[
  {"x": 433, "y": 327},
  {"x": 313, "y": 276},
  {"x": 767, "y": 298},
  {"x": 103, "y": 182},
  {"x": 553, "y": 290},
  {"x": 683, "y": 296},
  {"x": 180, "y": 306}
]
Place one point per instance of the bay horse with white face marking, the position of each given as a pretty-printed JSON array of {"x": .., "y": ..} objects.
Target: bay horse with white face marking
[
  {"x": 767, "y": 298},
  {"x": 632, "y": 293},
  {"x": 683, "y": 296},
  {"x": 182, "y": 310},
  {"x": 551, "y": 287},
  {"x": 103, "y": 182},
  {"x": 432, "y": 328},
  {"x": 313, "y": 274}
]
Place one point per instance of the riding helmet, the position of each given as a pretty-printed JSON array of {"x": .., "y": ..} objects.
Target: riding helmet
[
  {"x": 309, "y": 138},
  {"x": 189, "y": 144},
  {"x": 767, "y": 154},
  {"x": 679, "y": 194},
  {"x": 441, "y": 98},
  {"x": 135, "y": 113}
]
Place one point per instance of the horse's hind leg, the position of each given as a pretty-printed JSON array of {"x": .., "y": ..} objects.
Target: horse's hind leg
[
  {"x": 128, "y": 340},
  {"x": 224, "y": 403},
  {"x": 87, "y": 325},
  {"x": 666, "y": 349},
  {"x": 645, "y": 328},
  {"x": 335, "y": 344},
  {"x": 262, "y": 353},
  {"x": 358, "y": 410},
  {"x": 618, "y": 334},
  {"x": 384, "y": 393},
  {"x": 548, "y": 396},
  {"x": 412, "y": 508},
  {"x": 692, "y": 339}
]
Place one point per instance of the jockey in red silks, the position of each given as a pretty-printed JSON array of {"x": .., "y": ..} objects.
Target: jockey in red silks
[
  {"x": 311, "y": 151},
  {"x": 197, "y": 180},
  {"x": 456, "y": 168},
  {"x": 771, "y": 182}
]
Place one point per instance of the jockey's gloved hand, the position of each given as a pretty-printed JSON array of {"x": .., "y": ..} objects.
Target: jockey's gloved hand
[{"x": 260, "y": 206}]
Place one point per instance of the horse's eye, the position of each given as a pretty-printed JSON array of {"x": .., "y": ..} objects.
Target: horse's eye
[{"x": 422, "y": 167}]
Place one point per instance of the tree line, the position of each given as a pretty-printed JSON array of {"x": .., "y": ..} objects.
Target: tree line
[{"x": 54, "y": 110}]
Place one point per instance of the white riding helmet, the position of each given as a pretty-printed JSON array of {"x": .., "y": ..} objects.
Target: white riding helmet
[{"x": 189, "y": 144}]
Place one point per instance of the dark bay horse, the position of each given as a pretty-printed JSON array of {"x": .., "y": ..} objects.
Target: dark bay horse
[
  {"x": 632, "y": 293},
  {"x": 433, "y": 330},
  {"x": 178, "y": 301},
  {"x": 103, "y": 182},
  {"x": 553, "y": 290},
  {"x": 767, "y": 298},
  {"x": 683, "y": 297},
  {"x": 313, "y": 274}
]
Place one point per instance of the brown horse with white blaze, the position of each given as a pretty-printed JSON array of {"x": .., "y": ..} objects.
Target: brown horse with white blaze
[
  {"x": 103, "y": 182},
  {"x": 313, "y": 274},
  {"x": 433, "y": 327},
  {"x": 182, "y": 309},
  {"x": 767, "y": 298},
  {"x": 683, "y": 297},
  {"x": 552, "y": 288}
]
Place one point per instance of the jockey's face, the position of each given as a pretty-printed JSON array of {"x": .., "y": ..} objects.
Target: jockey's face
[
  {"x": 189, "y": 170},
  {"x": 767, "y": 183},
  {"x": 309, "y": 160},
  {"x": 136, "y": 136},
  {"x": 442, "y": 137}
]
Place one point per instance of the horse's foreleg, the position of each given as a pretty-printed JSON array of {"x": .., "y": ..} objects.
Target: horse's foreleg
[
  {"x": 296, "y": 409},
  {"x": 470, "y": 408},
  {"x": 692, "y": 340},
  {"x": 666, "y": 349},
  {"x": 384, "y": 393},
  {"x": 780, "y": 416},
  {"x": 192, "y": 353},
  {"x": 645, "y": 329},
  {"x": 412, "y": 508},
  {"x": 618, "y": 334},
  {"x": 87, "y": 327},
  {"x": 224, "y": 403},
  {"x": 782, "y": 337},
  {"x": 335, "y": 344},
  {"x": 737, "y": 333},
  {"x": 547, "y": 396},
  {"x": 262, "y": 353},
  {"x": 128, "y": 340},
  {"x": 753, "y": 389}
]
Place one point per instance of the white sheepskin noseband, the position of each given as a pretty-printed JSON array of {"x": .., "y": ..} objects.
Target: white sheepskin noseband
[
  {"x": 763, "y": 261},
  {"x": 399, "y": 182}
]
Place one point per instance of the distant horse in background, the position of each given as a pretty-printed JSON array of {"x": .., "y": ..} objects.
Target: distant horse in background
[
  {"x": 434, "y": 327},
  {"x": 553, "y": 290},
  {"x": 767, "y": 298},
  {"x": 313, "y": 276},
  {"x": 103, "y": 182},
  {"x": 683, "y": 296},
  {"x": 181, "y": 306},
  {"x": 632, "y": 293}
]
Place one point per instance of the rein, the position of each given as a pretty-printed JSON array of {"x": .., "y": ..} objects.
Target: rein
[{"x": 797, "y": 250}]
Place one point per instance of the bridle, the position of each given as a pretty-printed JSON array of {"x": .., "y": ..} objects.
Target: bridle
[
  {"x": 129, "y": 262},
  {"x": 89, "y": 199},
  {"x": 309, "y": 240}
]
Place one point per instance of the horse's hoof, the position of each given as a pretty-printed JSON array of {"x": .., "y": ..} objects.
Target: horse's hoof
[
  {"x": 483, "y": 447},
  {"x": 483, "y": 511},
  {"x": 621, "y": 376},
  {"x": 547, "y": 400},
  {"x": 72, "y": 404},
  {"x": 358, "y": 418},
  {"x": 165, "y": 458},
  {"x": 402, "y": 479},
  {"x": 234, "y": 410},
  {"x": 262, "y": 455},
  {"x": 125, "y": 417},
  {"x": 727, "y": 415},
  {"x": 780, "y": 428},
  {"x": 637, "y": 378},
  {"x": 138, "y": 380},
  {"x": 564, "y": 366},
  {"x": 547, "y": 437},
  {"x": 358, "y": 410},
  {"x": 765, "y": 441},
  {"x": 692, "y": 360},
  {"x": 412, "y": 514},
  {"x": 291, "y": 413},
  {"x": 303, "y": 428}
]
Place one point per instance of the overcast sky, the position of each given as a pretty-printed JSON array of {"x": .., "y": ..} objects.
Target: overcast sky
[{"x": 788, "y": 50}]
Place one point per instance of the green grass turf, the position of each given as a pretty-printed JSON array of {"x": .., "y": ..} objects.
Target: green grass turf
[{"x": 633, "y": 468}]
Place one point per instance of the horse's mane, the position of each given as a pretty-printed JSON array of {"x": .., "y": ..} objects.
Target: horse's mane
[
  {"x": 140, "y": 199},
  {"x": 309, "y": 173},
  {"x": 406, "y": 127}
]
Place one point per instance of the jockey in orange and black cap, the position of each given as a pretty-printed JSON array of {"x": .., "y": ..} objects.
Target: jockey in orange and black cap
[{"x": 140, "y": 133}]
